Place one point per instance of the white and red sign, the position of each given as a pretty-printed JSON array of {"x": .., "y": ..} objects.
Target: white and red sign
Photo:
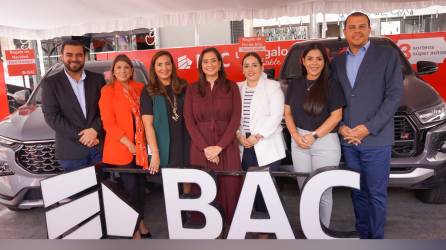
[
  {"x": 423, "y": 49},
  {"x": 426, "y": 47},
  {"x": 21, "y": 62},
  {"x": 252, "y": 44}
]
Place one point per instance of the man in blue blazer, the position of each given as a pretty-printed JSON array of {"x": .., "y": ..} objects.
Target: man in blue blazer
[{"x": 372, "y": 81}]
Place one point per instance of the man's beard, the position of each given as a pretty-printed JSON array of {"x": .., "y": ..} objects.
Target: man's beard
[{"x": 77, "y": 68}]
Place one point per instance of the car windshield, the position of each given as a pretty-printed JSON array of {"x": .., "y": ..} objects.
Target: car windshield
[
  {"x": 104, "y": 69},
  {"x": 292, "y": 69}
]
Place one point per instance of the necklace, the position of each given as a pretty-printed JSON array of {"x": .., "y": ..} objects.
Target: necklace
[
  {"x": 309, "y": 86},
  {"x": 175, "y": 116}
]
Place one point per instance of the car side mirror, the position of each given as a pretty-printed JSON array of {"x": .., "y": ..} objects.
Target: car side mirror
[
  {"x": 21, "y": 96},
  {"x": 426, "y": 67}
]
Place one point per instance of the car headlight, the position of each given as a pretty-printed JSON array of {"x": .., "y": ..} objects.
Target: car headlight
[
  {"x": 433, "y": 114},
  {"x": 5, "y": 142}
]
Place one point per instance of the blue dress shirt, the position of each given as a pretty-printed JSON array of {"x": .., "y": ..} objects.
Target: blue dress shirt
[
  {"x": 79, "y": 90},
  {"x": 354, "y": 61}
]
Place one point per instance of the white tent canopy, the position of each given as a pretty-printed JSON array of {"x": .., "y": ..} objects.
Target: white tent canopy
[{"x": 44, "y": 19}]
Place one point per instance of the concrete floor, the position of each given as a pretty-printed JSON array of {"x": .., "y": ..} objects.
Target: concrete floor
[{"x": 407, "y": 218}]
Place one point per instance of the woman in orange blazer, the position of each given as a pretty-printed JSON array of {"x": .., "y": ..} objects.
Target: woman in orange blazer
[{"x": 125, "y": 145}]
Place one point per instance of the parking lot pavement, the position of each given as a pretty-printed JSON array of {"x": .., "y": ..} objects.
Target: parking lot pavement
[
  {"x": 29, "y": 224},
  {"x": 407, "y": 217}
]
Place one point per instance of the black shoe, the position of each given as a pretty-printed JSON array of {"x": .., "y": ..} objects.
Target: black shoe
[
  {"x": 189, "y": 196},
  {"x": 146, "y": 236}
]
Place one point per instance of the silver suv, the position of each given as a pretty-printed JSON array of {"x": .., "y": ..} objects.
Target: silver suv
[{"x": 27, "y": 143}]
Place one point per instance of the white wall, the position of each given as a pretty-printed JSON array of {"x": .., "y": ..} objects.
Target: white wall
[
  {"x": 248, "y": 27},
  {"x": 215, "y": 33},
  {"x": 208, "y": 34},
  {"x": 176, "y": 36}
]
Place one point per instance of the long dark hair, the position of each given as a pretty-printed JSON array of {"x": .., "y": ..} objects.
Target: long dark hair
[
  {"x": 120, "y": 58},
  {"x": 202, "y": 76},
  {"x": 316, "y": 99},
  {"x": 155, "y": 86}
]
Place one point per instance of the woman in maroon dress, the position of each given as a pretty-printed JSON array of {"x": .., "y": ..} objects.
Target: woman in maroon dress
[{"x": 212, "y": 112}]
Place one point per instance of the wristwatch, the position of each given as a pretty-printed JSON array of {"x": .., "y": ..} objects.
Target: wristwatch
[{"x": 315, "y": 136}]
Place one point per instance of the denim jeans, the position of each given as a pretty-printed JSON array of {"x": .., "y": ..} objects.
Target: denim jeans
[
  {"x": 94, "y": 157},
  {"x": 249, "y": 159},
  {"x": 370, "y": 203}
]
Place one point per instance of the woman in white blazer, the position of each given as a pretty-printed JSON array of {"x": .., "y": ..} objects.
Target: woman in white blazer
[{"x": 260, "y": 132}]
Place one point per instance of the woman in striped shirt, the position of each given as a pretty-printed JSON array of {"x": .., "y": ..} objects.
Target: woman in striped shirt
[{"x": 260, "y": 132}]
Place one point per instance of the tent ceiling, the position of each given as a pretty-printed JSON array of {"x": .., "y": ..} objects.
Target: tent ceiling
[{"x": 46, "y": 19}]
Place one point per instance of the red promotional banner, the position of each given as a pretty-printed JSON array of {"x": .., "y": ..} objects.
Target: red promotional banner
[
  {"x": 186, "y": 58},
  {"x": 21, "y": 62},
  {"x": 416, "y": 47},
  {"x": 4, "y": 107}
]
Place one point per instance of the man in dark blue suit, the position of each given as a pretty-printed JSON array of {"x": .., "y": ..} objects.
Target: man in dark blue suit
[{"x": 372, "y": 81}]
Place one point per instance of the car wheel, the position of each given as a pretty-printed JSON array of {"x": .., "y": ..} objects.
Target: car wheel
[{"x": 435, "y": 196}]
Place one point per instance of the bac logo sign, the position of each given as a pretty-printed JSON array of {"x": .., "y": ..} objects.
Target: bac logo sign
[
  {"x": 242, "y": 222},
  {"x": 184, "y": 62},
  {"x": 92, "y": 212},
  {"x": 98, "y": 213}
]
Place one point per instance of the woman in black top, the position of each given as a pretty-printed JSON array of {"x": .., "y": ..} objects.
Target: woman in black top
[
  {"x": 162, "y": 114},
  {"x": 313, "y": 110}
]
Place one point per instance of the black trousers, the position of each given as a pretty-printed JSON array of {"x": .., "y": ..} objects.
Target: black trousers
[
  {"x": 134, "y": 187},
  {"x": 249, "y": 159}
]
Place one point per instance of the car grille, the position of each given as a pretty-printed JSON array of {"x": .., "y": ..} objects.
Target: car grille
[
  {"x": 39, "y": 158},
  {"x": 405, "y": 137}
]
